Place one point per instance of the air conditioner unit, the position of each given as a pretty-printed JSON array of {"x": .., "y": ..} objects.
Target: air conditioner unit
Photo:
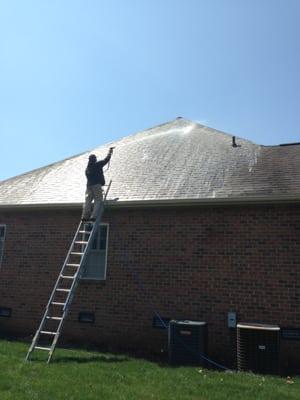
[
  {"x": 187, "y": 342},
  {"x": 258, "y": 348}
]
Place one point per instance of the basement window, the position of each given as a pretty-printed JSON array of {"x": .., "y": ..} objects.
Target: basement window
[
  {"x": 2, "y": 239},
  {"x": 96, "y": 263}
]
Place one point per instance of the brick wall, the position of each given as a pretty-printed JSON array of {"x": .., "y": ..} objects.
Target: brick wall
[{"x": 194, "y": 263}]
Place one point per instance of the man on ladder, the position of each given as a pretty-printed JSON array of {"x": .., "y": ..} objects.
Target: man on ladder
[
  {"x": 95, "y": 181},
  {"x": 62, "y": 294}
]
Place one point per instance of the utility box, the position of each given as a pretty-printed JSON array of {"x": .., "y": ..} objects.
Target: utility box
[
  {"x": 187, "y": 342},
  {"x": 258, "y": 348}
]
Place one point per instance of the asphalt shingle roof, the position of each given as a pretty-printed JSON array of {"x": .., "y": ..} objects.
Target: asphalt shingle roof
[{"x": 177, "y": 160}]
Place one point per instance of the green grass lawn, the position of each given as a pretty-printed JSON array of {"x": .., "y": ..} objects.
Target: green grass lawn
[{"x": 83, "y": 375}]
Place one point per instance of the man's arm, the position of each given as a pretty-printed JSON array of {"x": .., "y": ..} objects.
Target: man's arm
[{"x": 107, "y": 158}]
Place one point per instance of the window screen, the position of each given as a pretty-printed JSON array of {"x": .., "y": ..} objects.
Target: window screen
[{"x": 95, "y": 265}]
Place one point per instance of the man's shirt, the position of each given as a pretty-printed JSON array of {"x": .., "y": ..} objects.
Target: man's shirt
[{"x": 94, "y": 172}]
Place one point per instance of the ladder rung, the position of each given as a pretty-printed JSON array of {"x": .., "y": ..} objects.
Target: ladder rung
[
  {"x": 63, "y": 290},
  {"x": 73, "y": 265},
  {"x": 67, "y": 277},
  {"x": 43, "y": 348},
  {"x": 80, "y": 242},
  {"x": 48, "y": 333},
  {"x": 56, "y": 318},
  {"x": 76, "y": 253},
  {"x": 55, "y": 303},
  {"x": 88, "y": 232}
]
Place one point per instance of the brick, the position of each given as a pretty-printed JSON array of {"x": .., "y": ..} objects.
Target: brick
[{"x": 196, "y": 263}]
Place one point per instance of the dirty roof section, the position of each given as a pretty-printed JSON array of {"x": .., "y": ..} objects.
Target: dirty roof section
[{"x": 177, "y": 160}]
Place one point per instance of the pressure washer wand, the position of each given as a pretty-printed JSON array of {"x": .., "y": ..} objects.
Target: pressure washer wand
[{"x": 111, "y": 149}]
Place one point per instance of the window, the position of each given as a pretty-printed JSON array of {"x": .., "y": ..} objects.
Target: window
[
  {"x": 95, "y": 265},
  {"x": 2, "y": 238}
]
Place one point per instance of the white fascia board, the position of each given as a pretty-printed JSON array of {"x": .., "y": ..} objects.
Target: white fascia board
[{"x": 162, "y": 203}]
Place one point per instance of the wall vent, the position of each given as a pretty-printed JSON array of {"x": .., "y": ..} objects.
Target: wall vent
[
  {"x": 87, "y": 317},
  {"x": 5, "y": 312}
]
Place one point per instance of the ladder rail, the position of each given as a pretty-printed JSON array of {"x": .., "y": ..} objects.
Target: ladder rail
[
  {"x": 78, "y": 275},
  {"x": 37, "y": 334},
  {"x": 76, "y": 279},
  {"x": 107, "y": 190},
  {"x": 63, "y": 267},
  {"x": 72, "y": 244},
  {"x": 75, "y": 282},
  {"x": 56, "y": 337},
  {"x": 93, "y": 232}
]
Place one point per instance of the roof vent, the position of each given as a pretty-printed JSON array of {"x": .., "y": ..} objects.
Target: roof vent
[
  {"x": 290, "y": 144},
  {"x": 234, "y": 142}
]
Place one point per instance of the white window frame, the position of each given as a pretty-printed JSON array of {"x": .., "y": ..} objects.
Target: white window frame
[
  {"x": 2, "y": 240},
  {"x": 87, "y": 278}
]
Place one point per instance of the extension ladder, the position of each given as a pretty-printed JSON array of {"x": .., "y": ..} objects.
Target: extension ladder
[{"x": 63, "y": 292}]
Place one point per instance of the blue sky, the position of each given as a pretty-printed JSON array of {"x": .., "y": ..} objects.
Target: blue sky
[{"x": 75, "y": 74}]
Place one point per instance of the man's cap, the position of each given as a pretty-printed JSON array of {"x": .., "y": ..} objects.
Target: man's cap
[{"x": 92, "y": 157}]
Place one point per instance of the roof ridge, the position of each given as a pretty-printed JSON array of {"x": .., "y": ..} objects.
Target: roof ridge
[{"x": 147, "y": 130}]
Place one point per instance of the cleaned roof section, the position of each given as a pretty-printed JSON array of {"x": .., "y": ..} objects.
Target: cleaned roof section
[{"x": 177, "y": 160}]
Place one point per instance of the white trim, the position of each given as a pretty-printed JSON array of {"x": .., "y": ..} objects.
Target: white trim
[
  {"x": 263, "y": 327},
  {"x": 2, "y": 239},
  {"x": 279, "y": 199},
  {"x": 106, "y": 250},
  {"x": 202, "y": 202}
]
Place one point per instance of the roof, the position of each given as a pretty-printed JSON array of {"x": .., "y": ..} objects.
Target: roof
[{"x": 177, "y": 161}]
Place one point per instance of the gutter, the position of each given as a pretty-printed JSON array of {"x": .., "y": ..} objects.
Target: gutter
[{"x": 112, "y": 204}]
